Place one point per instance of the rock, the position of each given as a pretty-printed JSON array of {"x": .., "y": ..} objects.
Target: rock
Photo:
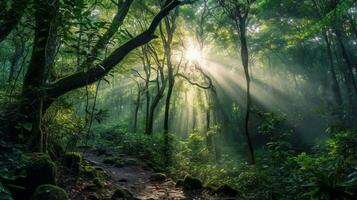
[
  {"x": 72, "y": 162},
  {"x": 122, "y": 194},
  {"x": 89, "y": 172},
  {"x": 191, "y": 183},
  {"x": 227, "y": 190},
  {"x": 49, "y": 192},
  {"x": 158, "y": 177},
  {"x": 179, "y": 183},
  {"x": 41, "y": 170}
]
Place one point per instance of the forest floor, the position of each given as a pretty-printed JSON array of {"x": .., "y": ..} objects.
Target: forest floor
[{"x": 135, "y": 175}]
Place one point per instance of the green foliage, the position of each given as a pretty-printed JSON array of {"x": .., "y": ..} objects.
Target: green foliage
[
  {"x": 12, "y": 164},
  {"x": 278, "y": 145}
]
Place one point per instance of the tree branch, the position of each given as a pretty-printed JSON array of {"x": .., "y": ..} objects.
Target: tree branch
[
  {"x": 193, "y": 83},
  {"x": 117, "y": 21},
  {"x": 81, "y": 79}
]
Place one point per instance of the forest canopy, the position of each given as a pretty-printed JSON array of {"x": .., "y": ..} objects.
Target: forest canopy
[{"x": 202, "y": 99}]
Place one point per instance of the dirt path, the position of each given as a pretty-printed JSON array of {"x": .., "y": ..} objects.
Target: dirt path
[{"x": 134, "y": 176}]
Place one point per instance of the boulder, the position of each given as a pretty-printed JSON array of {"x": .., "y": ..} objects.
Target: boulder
[
  {"x": 158, "y": 177},
  {"x": 191, "y": 183},
  {"x": 122, "y": 194},
  {"x": 179, "y": 183},
  {"x": 49, "y": 192},
  {"x": 72, "y": 162},
  {"x": 40, "y": 170}
]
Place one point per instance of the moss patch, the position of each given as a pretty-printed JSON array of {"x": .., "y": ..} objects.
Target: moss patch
[{"x": 49, "y": 192}]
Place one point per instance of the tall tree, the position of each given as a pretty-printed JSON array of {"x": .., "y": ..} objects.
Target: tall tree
[{"x": 238, "y": 11}]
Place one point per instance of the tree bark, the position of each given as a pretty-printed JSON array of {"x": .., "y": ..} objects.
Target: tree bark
[
  {"x": 137, "y": 106},
  {"x": 245, "y": 63}
]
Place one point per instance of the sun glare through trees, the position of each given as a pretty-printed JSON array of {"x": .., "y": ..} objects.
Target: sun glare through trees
[{"x": 178, "y": 99}]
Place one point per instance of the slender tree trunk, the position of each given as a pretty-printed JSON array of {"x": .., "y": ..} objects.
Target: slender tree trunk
[
  {"x": 334, "y": 85},
  {"x": 167, "y": 106},
  {"x": 137, "y": 106},
  {"x": 154, "y": 104},
  {"x": 147, "y": 111},
  {"x": 346, "y": 58},
  {"x": 245, "y": 62}
]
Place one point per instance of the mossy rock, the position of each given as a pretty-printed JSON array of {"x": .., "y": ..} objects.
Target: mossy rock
[
  {"x": 49, "y": 192},
  {"x": 72, "y": 162},
  {"x": 227, "y": 190},
  {"x": 40, "y": 170},
  {"x": 89, "y": 172},
  {"x": 179, "y": 183},
  {"x": 158, "y": 177},
  {"x": 122, "y": 194},
  {"x": 95, "y": 185},
  {"x": 191, "y": 183}
]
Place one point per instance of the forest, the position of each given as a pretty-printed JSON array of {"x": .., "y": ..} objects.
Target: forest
[{"x": 178, "y": 99}]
